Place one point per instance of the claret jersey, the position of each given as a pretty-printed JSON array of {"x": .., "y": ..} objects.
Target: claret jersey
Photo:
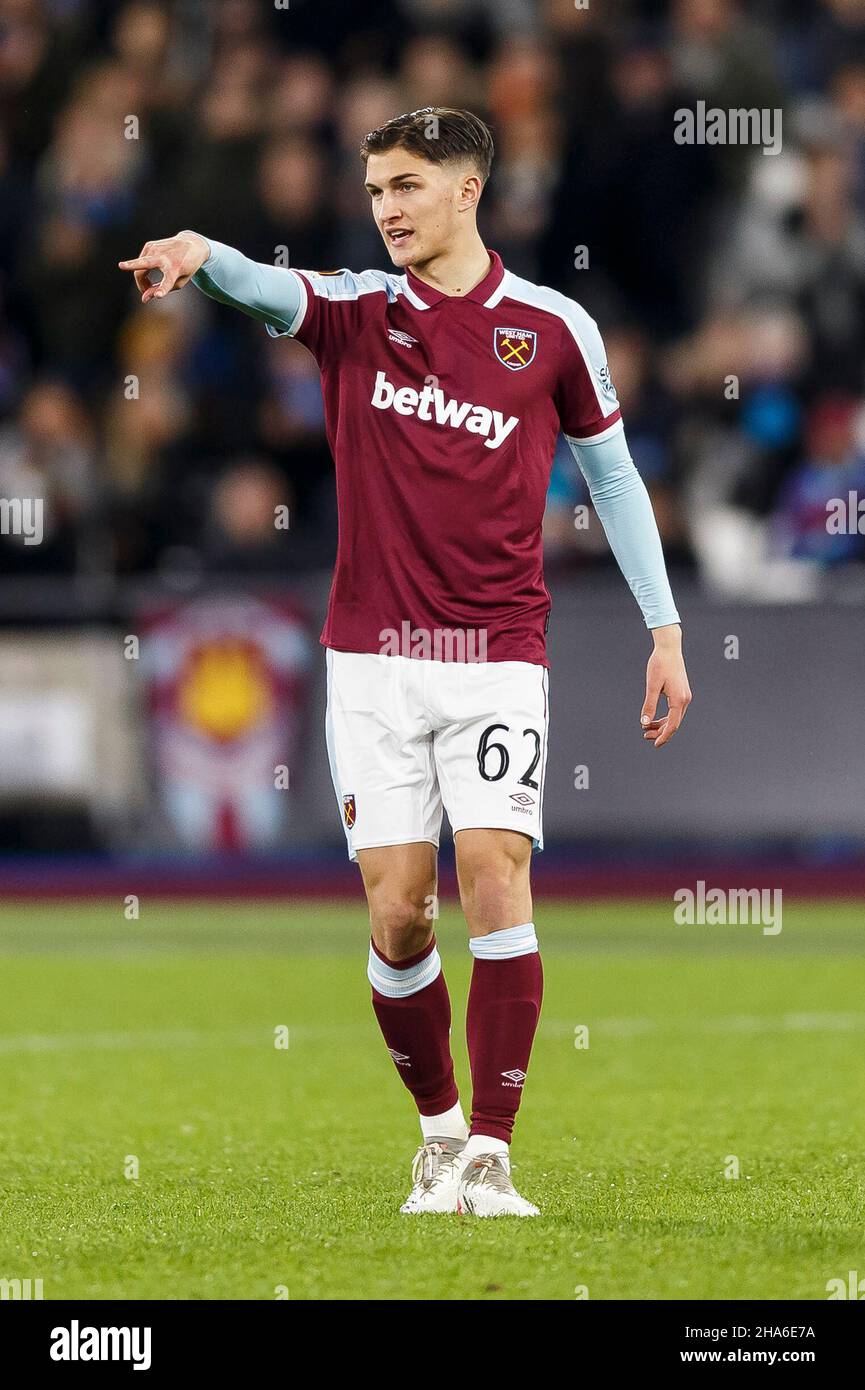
[{"x": 442, "y": 415}]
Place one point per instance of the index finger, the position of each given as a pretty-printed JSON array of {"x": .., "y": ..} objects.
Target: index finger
[
  {"x": 140, "y": 263},
  {"x": 141, "y": 267}
]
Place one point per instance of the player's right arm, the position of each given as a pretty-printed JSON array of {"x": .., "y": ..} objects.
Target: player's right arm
[
  {"x": 177, "y": 258},
  {"x": 265, "y": 292}
]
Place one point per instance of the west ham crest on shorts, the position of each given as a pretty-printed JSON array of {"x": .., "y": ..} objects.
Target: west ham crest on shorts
[
  {"x": 515, "y": 347},
  {"x": 348, "y": 809}
]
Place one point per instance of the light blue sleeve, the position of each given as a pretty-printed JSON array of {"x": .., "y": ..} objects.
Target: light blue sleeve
[
  {"x": 266, "y": 292},
  {"x": 622, "y": 503}
]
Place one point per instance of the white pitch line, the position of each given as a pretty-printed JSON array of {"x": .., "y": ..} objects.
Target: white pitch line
[
  {"x": 322, "y": 1032},
  {"x": 723, "y": 1023},
  {"x": 112, "y": 1042}
]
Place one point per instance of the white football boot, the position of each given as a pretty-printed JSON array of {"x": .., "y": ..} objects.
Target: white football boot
[
  {"x": 435, "y": 1174},
  {"x": 485, "y": 1188}
]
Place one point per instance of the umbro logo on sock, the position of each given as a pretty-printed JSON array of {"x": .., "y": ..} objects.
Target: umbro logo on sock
[
  {"x": 401, "y": 1058},
  {"x": 515, "y": 1077}
]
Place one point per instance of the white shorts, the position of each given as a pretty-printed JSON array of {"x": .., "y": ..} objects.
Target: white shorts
[{"x": 405, "y": 735}]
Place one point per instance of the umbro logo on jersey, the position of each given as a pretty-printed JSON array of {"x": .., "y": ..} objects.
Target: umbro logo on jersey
[
  {"x": 607, "y": 382},
  {"x": 515, "y": 347},
  {"x": 404, "y": 339},
  {"x": 433, "y": 405},
  {"x": 515, "y": 1077},
  {"x": 523, "y": 798},
  {"x": 401, "y": 1058}
]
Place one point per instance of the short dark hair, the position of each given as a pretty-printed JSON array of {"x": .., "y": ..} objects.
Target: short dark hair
[{"x": 436, "y": 133}]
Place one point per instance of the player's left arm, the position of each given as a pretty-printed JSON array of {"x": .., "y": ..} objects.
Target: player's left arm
[
  {"x": 624, "y": 509},
  {"x": 592, "y": 424}
]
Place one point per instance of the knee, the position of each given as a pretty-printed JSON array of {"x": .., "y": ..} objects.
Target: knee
[
  {"x": 401, "y": 924},
  {"x": 494, "y": 892},
  {"x": 487, "y": 894}
]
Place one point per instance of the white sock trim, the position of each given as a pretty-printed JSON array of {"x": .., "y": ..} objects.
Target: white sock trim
[
  {"x": 451, "y": 1124},
  {"x": 485, "y": 1144},
  {"x": 504, "y": 945},
  {"x": 399, "y": 984}
]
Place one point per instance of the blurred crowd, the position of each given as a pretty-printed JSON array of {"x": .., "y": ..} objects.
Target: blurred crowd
[{"x": 729, "y": 283}]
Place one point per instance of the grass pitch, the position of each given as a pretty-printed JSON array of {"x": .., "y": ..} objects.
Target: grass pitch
[{"x": 148, "y": 1048}]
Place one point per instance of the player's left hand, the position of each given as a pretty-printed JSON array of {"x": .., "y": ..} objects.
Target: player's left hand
[{"x": 665, "y": 675}]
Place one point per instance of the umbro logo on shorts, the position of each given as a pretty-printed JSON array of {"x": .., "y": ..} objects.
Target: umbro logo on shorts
[
  {"x": 523, "y": 798},
  {"x": 515, "y": 1077}
]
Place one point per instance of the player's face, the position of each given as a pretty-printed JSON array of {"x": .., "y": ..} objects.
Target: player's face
[{"x": 417, "y": 205}]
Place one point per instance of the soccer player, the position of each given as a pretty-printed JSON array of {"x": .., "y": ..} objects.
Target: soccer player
[{"x": 446, "y": 383}]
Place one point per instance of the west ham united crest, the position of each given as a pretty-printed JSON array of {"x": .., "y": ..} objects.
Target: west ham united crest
[
  {"x": 348, "y": 809},
  {"x": 515, "y": 347}
]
